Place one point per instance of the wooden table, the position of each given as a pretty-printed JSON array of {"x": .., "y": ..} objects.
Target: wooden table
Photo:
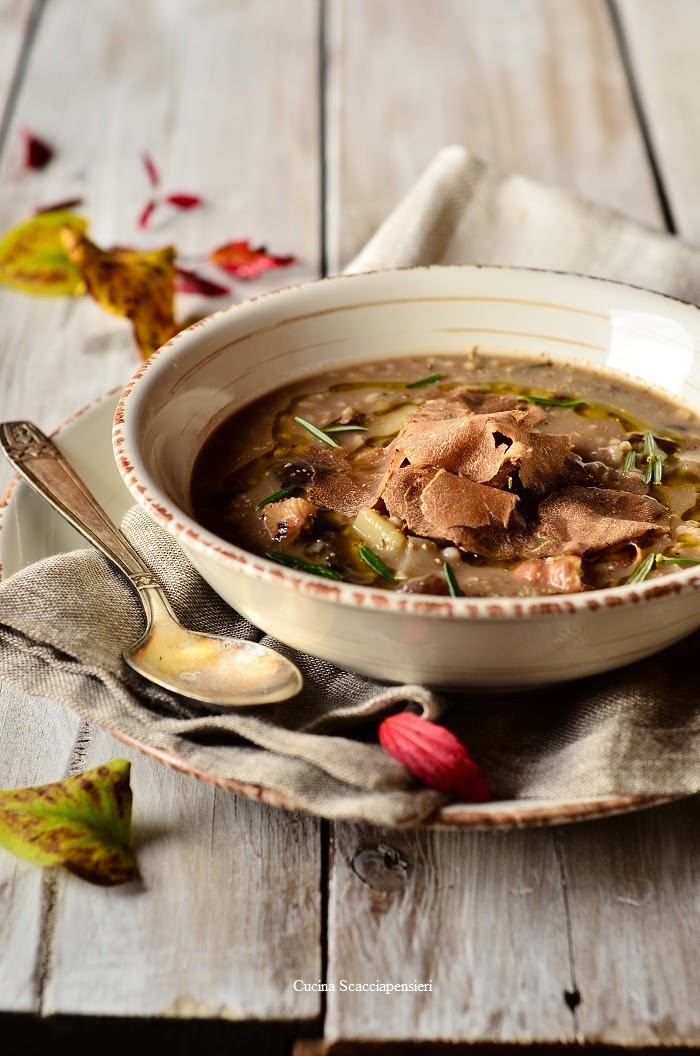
[{"x": 301, "y": 122}]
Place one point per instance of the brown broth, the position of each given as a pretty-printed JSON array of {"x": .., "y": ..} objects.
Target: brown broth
[{"x": 241, "y": 463}]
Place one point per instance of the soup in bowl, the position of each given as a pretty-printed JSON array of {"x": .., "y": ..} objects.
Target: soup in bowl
[{"x": 461, "y": 476}]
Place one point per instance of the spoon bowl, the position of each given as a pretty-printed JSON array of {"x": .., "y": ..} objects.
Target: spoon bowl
[
  {"x": 211, "y": 668},
  {"x": 215, "y": 670}
]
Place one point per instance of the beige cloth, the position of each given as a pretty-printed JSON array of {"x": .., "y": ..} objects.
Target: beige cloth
[{"x": 65, "y": 621}]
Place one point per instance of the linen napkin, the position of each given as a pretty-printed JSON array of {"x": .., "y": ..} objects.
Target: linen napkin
[{"x": 65, "y": 621}]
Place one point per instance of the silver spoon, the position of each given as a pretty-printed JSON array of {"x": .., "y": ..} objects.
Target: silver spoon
[{"x": 224, "y": 672}]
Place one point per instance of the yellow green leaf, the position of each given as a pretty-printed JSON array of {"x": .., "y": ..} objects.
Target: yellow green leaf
[
  {"x": 33, "y": 258},
  {"x": 126, "y": 282},
  {"x": 82, "y": 823}
]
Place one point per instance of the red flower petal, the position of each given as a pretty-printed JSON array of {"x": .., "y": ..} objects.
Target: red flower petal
[
  {"x": 183, "y": 201},
  {"x": 37, "y": 152},
  {"x": 146, "y": 213},
  {"x": 187, "y": 281},
  {"x": 151, "y": 170},
  {"x": 434, "y": 755},
  {"x": 56, "y": 207},
  {"x": 243, "y": 261}
]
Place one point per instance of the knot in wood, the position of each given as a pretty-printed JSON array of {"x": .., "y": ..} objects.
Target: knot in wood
[{"x": 382, "y": 868}]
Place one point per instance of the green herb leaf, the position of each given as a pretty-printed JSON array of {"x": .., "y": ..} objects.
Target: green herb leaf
[
  {"x": 277, "y": 495},
  {"x": 424, "y": 381},
  {"x": 654, "y": 469},
  {"x": 345, "y": 429},
  {"x": 630, "y": 461},
  {"x": 316, "y": 432},
  {"x": 376, "y": 564},
  {"x": 82, "y": 823},
  {"x": 454, "y": 587},
  {"x": 661, "y": 560},
  {"x": 642, "y": 570},
  {"x": 302, "y": 566},
  {"x": 544, "y": 401}
]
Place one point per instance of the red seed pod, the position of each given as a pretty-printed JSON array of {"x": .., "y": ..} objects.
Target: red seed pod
[{"x": 434, "y": 755}]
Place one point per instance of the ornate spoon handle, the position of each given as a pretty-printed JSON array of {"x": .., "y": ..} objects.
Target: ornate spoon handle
[{"x": 40, "y": 462}]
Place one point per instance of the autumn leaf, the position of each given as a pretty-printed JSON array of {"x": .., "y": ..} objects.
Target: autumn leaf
[
  {"x": 33, "y": 258},
  {"x": 244, "y": 261},
  {"x": 137, "y": 285},
  {"x": 82, "y": 823},
  {"x": 187, "y": 281},
  {"x": 37, "y": 152},
  {"x": 59, "y": 207},
  {"x": 183, "y": 200}
]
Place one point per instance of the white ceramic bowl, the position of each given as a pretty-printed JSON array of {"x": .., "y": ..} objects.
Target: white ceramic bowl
[{"x": 189, "y": 386}]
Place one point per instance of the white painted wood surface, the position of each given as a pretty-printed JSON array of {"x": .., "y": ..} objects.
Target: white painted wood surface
[
  {"x": 224, "y": 94},
  {"x": 225, "y": 918},
  {"x": 663, "y": 44},
  {"x": 479, "y": 915},
  {"x": 228, "y": 911},
  {"x": 24, "y": 724},
  {"x": 15, "y": 16},
  {"x": 534, "y": 85}
]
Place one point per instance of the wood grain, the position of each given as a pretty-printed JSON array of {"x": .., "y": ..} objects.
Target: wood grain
[
  {"x": 15, "y": 17},
  {"x": 534, "y": 85},
  {"x": 662, "y": 40},
  {"x": 223, "y": 921},
  {"x": 481, "y": 915},
  {"x": 224, "y": 97},
  {"x": 632, "y": 892},
  {"x": 169, "y": 82},
  {"x": 36, "y": 744}
]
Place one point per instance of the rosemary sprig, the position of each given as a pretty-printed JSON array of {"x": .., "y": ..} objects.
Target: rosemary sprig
[
  {"x": 652, "y": 561},
  {"x": 654, "y": 469},
  {"x": 544, "y": 401},
  {"x": 302, "y": 566},
  {"x": 276, "y": 496},
  {"x": 345, "y": 429},
  {"x": 642, "y": 570},
  {"x": 376, "y": 564},
  {"x": 630, "y": 461},
  {"x": 454, "y": 587},
  {"x": 662, "y": 560},
  {"x": 423, "y": 381},
  {"x": 317, "y": 433}
]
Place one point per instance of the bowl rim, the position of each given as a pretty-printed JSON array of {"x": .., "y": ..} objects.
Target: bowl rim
[{"x": 165, "y": 512}]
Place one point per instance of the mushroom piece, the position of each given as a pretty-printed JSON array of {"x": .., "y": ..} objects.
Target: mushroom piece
[{"x": 288, "y": 519}]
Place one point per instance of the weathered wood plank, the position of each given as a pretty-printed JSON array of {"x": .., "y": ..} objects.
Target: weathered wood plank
[
  {"x": 15, "y": 17},
  {"x": 224, "y": 919},
  {"x": 228, "y": 913},
  {"x": 662, "y": 43},
  {"x": 534, "y": 85},
  {"x": 22, "y": 895},
  {"x": 168, "y": 82},
  {"x": 20, "y": 715},
  {"x": 479, "y": 915},
  {"x": 634, "y": 902}
]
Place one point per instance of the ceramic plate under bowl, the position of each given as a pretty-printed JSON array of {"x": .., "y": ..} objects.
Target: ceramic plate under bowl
[{"x": 31, "y": 530}]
